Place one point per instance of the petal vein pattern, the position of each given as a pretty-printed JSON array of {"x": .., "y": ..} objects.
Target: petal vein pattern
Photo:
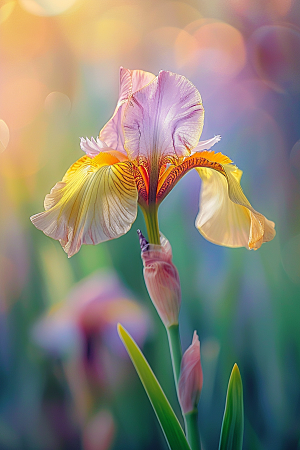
[
  {"x": 130, "y": 82},
  {"x": 226, "y": 217},
  {"x": 94, "y": 202},
  {"x": 165, "y": 118}
]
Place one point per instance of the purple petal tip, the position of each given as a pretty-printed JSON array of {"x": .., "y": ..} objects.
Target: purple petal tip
[{"x": 144, "y": 244}]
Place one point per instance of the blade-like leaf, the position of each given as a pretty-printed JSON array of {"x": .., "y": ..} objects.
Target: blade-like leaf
[
  {"x": 233, "y": 421},
  {"x": 165, "y": 414}
]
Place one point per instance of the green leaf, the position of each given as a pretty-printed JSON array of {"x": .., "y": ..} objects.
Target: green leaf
[
  {"x": 233, "y": 421},
  {"x": 169, "y": 423}
]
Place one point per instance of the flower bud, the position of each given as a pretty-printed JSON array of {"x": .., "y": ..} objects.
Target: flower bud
[
  {"x": 161, "y": 279},
  {"x": 191, "y": 377}
]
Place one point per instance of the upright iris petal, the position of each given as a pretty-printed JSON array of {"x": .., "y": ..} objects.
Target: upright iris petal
[
  {"x": 130, "y": 82},
  {"x": 164, "y": 119}
]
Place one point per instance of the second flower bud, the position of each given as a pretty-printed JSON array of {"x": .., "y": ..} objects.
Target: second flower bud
[{"x": 161, "y": 279}]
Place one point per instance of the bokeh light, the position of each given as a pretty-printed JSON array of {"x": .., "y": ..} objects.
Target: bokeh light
[
  {"x": 6, "y": 10},
  {"x": 58, "y": 103},
  {"x": 173, "y": 14},
  {"x": 221, "y": 48},
  {"x": 255, "y": 10},
  {"x": 47, "y": 7},
  {"x": 109, "y": 35},
  {"x": 275, "y": 51}
]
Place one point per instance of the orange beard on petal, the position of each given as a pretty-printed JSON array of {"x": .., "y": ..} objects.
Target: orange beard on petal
[
  {"x": 142, "y": 182},
  {"x": 174, "y": 173}
]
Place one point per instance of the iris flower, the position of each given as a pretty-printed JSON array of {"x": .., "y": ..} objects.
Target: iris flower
[{"x": 150, "y": 142}]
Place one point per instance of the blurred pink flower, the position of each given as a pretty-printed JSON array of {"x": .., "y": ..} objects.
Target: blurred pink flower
[
  {"x": 86, "y": 322},
  {"x": 162, "y": 280},
  {"x": 82, "y": 332},
  {"x": 151, "y": 141},
  {"x": 191, "y": 377}
]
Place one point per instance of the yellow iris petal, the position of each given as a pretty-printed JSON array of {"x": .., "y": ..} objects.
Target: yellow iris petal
[
  {"x": 226, "y": 217},
  {"x": 96, "y": 201}
]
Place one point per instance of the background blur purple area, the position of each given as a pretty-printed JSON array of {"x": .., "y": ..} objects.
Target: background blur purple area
[{"x": 60, "y": 64}]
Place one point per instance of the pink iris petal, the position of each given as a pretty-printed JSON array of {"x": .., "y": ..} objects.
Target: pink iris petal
[
  {"x": 92, "y": 147},
  {"x": 125, "y": 85},
  {"x": 130, "y": 82},
  {"x": 93, "y": 307},
  {"x": 206, "y": 145},
  {"x": 112, "y": 132},
  {"x": 165, "y": 118}
]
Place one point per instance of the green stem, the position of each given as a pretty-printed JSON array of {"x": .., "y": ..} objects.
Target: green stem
[
  {"x": 151, "y": 219},
  {"x": 192, "y": 430},
  {"x": 190, "y": 419},
  {"x": 175, "y": 350}
]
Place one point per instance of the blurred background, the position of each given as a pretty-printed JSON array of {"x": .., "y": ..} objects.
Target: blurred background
[{"x": 65, "y": 382}]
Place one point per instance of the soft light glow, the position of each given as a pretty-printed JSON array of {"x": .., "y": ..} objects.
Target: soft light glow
[
  {"x": 221, "y": 48},
  {"x": 47, "y": 7},
  {"x": 173, "y": 14},
  {"x": 254, "y": 9},
  {"x": 23, "y": 36},
  {"x": 21, "y": 100},
  {"x": 274, "y": 51},
  {"x": 186, "y": 47},
  {"x": 6, "y": 10},
  {"x": 4, "y": 135},
  {"x": 103, "y": 38},
  {"x": 161, "y": 41}
]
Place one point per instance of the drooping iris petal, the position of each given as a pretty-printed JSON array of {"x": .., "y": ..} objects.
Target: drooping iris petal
[
  {"x": 165, "y": 118},
  {"x": 130, "y": 82},
  {"x": 96, "y": 201},
  {"x": 226, "y": 217}
]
